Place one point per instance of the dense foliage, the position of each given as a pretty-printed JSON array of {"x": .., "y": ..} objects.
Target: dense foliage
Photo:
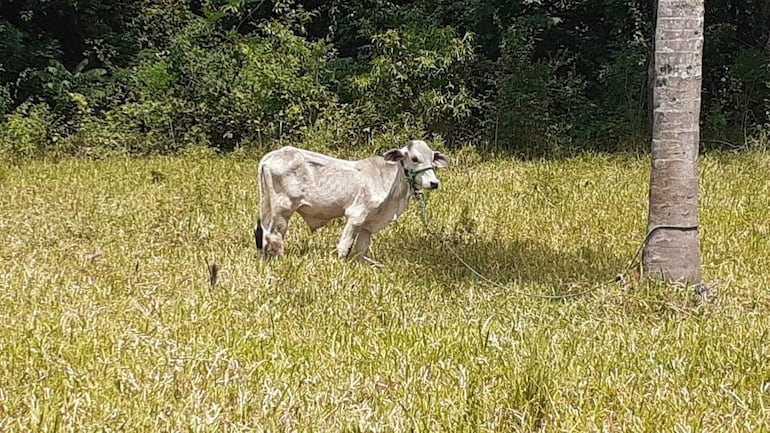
[{"x": 533, "y": 76}]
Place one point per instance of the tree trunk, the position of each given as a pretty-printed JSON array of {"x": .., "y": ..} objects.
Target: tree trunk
[{"x": 674, "y": 253}]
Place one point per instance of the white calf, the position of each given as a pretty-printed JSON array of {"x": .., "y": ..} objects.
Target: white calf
[{"x": 369, "y": 193}]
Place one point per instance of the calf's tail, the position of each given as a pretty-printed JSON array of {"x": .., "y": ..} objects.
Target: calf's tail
[
  {"x": 264, "y": 208},
  {"x": 259, "y": 234},
  {"x": 265, "y": 235}
]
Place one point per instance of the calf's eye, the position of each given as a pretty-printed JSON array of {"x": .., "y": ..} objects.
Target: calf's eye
[{"x": 415, "y": 159}]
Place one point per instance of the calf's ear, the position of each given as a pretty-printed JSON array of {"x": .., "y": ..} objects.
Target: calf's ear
[
  {"x": 394, "y": 155},
  {"x": 440, "y": 160}
]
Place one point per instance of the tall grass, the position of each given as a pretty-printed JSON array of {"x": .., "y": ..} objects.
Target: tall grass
[{"x": 108, "y": 320}]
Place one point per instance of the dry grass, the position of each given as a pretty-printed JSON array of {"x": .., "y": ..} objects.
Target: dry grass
[{"x": 108, "y": 321}]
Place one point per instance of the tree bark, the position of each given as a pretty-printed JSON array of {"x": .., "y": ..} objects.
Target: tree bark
[{"x": 674, "y": 253}]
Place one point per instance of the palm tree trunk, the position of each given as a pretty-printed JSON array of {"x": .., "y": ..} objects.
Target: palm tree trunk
[{"x": 674, "y": 253}]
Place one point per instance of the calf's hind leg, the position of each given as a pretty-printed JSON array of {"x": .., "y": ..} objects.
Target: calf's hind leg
[{"x": 275, "y": 227}]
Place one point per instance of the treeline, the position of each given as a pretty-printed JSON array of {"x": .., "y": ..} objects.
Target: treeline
[{"x": 531, "y": 76}]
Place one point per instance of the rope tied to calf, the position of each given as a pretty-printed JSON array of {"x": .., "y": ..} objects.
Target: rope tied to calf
[{"x": 617, "y": 279}]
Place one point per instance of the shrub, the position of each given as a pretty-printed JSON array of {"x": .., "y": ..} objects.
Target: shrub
[
  {"x": 25, "y": 132},
  {"x": 537, "y": 104},
  {"x": 226, "y": 91},
  {"x": 5, "y": 99},
  {"x": 414, "y": 77}
]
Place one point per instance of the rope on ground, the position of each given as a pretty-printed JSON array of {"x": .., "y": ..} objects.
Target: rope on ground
[{"x": 619, "y": 278}]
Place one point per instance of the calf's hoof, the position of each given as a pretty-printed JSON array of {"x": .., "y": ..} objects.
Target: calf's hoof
[{"x": 273, "y": 245}]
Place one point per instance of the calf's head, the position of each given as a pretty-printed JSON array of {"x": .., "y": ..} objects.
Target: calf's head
[{"x": 420, "y": 162}]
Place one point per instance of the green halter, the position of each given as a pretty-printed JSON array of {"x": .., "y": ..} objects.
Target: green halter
[{"x": 411, "y": 175}]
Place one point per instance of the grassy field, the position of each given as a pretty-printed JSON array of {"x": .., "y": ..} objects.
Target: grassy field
[{"x": 108, "y": 320}]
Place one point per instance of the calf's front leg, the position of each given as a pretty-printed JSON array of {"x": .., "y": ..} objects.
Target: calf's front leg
[{"x": 361, "y": 247}]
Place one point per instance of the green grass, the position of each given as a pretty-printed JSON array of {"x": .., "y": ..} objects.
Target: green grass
[{"x": 108, "y": 321}]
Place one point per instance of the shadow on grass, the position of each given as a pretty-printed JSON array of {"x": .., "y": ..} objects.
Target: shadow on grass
[
  {"x": 511, "y": 262},
  {"x": 506, "y": 261}
]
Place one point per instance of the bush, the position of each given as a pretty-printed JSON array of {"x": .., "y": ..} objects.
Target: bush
[
  {"x": 414, "y": 77},
  {"x": 25, "y": 132},
  {"x": 73, "y": 95},
  {"x": 230, "y": 91},
  {"x": 281, "y": 86},
  {"x": 619, "y": 97},
  {"x": 5, "y": 99},
  {"x": 538, "y": 107}
]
